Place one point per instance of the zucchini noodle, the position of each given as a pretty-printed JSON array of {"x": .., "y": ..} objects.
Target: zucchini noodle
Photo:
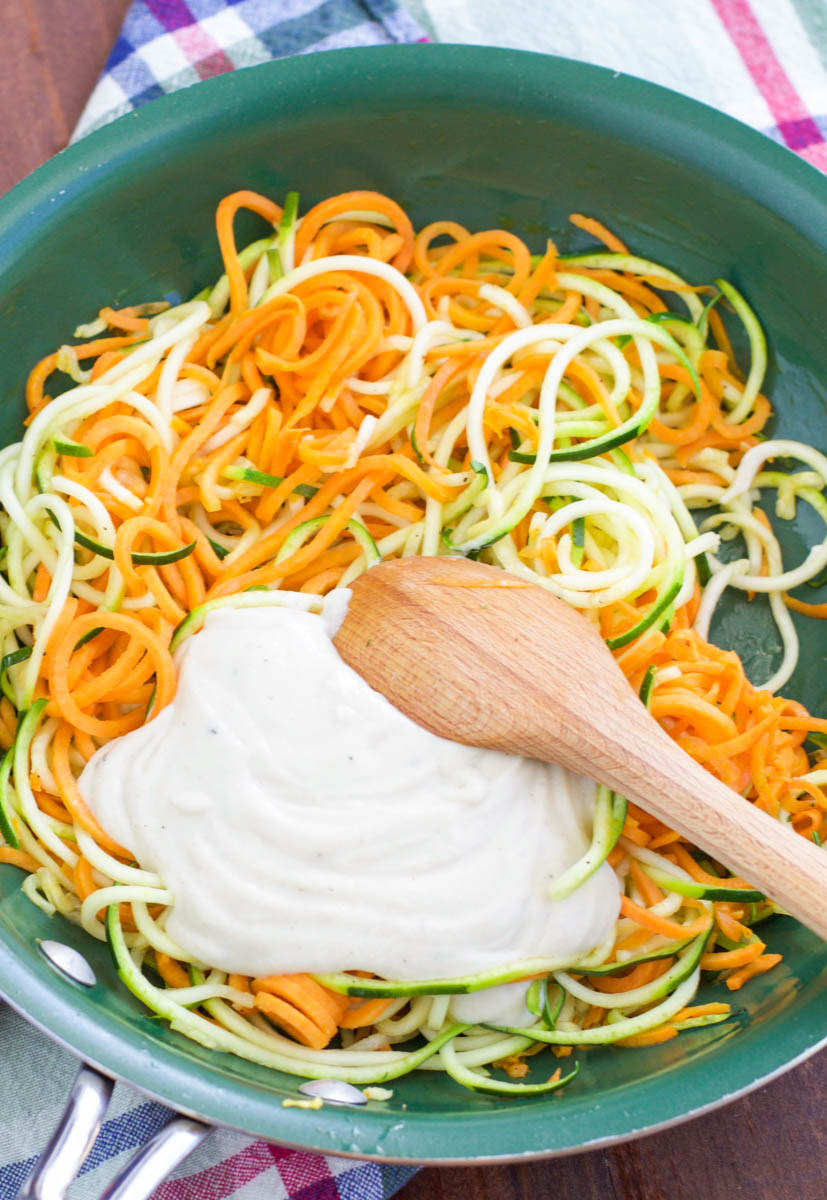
[{"x": 350, "y": 391}]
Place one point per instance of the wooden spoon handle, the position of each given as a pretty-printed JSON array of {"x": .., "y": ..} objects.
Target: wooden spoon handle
[{"x": 681, "y": 793}]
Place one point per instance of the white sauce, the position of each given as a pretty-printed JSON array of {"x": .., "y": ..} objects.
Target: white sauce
[{"x": 304, "y": 824}]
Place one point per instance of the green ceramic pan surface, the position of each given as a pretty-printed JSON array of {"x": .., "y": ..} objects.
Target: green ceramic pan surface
[{"x": 490, "y": 138}]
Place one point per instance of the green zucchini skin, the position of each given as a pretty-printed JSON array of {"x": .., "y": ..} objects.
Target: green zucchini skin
[
  {"x": 483, "y": 1084},
  {"x": 646, "y": 687},
  {"x": 615, "y": 968},
  {"x": 703, "y": 891},
  {"x": 301, "y": 533},
  {"x": 686, "y": 978},
  {"x": 140, "y": 558},
  {"x": 7, "y": 815},
  {"x": 6, "y": 810},
  {"x": 253, "y": 475},
  {"x": 460, "y": 985},
  {"x": 16, "y": 759},
  {"x": 686, "y": 962},
  {"x": 609, "y": 818},
  {"x": 657, "y": 612},
  {"x": 15, "y": 656},
  {"x": 72, "y": 449},
  {"x": 630, "y": 428},
  {"x": 537, "y": 1000}
]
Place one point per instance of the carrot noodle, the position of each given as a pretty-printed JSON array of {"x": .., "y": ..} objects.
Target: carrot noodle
[
  {"x": 171, "y": 971},
  {"x": 758, "y": 966},
  {"x": 225, "y": 216},
  {"x": 18, "y": 858},
  {"x": 363, "y": 1015},
  {"x": 599, "y": 231},
  {"x": 441, "y": 391}
]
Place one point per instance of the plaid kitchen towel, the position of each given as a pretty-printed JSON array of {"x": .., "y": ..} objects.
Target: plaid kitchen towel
[
  {"x": 170, "y": 44},
  {"x": 762, "y": 61},
  {"x": 35, "y": 1080}
]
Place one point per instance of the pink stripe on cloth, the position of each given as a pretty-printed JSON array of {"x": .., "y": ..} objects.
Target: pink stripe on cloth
[
  {"x": 795, "y": 124},
  {"x": 206, "y": 56},
  {"x": 224, "y": 1178},
  {"x": 299, "y": 1170}
]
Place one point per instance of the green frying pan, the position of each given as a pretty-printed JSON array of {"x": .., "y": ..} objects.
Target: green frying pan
[{"x": 490, "y": 138}]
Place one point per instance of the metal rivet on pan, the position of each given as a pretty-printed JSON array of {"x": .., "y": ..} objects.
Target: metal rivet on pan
[
  {"x": 333, "y": 1091},
  {"x": 69, "y": 962}
]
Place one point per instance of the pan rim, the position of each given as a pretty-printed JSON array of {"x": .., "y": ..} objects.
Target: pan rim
[{"x": 793, "y": 190}]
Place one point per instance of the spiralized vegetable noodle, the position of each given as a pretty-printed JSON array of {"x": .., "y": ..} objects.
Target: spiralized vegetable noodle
[{"x": 351, "y": 391}]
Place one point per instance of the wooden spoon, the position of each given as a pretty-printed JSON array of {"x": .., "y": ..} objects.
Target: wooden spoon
[{"x": 481, "y": 657}]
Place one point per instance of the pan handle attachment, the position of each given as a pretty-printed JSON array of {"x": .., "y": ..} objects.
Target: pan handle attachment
[
  {"x": 69, "y": 1145},
  {"x": 154, "y": 1161}
]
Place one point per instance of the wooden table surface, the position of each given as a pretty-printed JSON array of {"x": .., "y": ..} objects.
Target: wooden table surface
[{"x": 769, "y": 1146}]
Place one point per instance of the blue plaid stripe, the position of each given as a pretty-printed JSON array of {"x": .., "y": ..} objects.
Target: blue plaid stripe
[
  {"x": 296, "y": 36},
  {"x": 117, "y": 1135},
  {"x": 260, "y": 15},
  {"x": 165, "y": 45},
  {"x": 120, "y": 51},
  {"x": 140, "y": 26}
]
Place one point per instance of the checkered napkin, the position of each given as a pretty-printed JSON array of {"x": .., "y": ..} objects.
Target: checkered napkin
[
  {"x": 169, "y": 44},
  {"x": 35, "y": 1080},
  {"x": 764, "y": 62}
]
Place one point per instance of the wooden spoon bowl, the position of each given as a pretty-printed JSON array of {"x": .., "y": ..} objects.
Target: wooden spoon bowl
[{"x": 479, "y": 656}]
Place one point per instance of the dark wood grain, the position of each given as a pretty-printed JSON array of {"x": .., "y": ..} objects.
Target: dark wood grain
[
  {"x": 52, "y": 54},
  {"x": 771, "y": 1145}
]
